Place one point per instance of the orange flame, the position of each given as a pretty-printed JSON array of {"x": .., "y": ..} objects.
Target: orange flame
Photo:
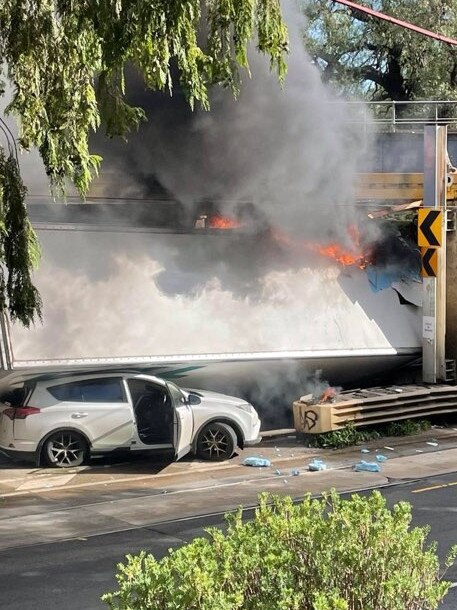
[
  {"x": 354, "y": 255},
  {"x": 346, "y": 257},
  {"x": 328, "y": 394},
  {"x": 340, "y": 255},
  {"x": 222, "y": 222}
]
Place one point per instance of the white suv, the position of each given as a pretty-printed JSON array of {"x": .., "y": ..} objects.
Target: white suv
[{"x": 61, "y": 421}]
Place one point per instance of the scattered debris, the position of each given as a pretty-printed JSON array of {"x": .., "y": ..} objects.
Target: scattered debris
[
  {"x": 295, "y": 472},
  {"x": 257, "y": 462},
  {"x": 432, "y": 443},
  {"x": 364, "y": 451},
  {"x": 285, "y": 481},
  {"x": 381, "y": 458},
  {"x": 278, "y": 472},
  {"x": 306, "y": 398},
  {"x": 419, "y": 451},
  {"x": 316, "y": 465},
  {"x": 389, "y": 448},
  {"x": 367, "y": 466}
]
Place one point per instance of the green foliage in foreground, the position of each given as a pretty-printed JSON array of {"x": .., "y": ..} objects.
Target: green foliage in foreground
[
  {"x": 66, "y": 64},
  {"x": 327, "y": 554},
  {"x": 63, "y": 64},
  {"x": 19, "y": 248},
  {"x": 350, "y": 435}
]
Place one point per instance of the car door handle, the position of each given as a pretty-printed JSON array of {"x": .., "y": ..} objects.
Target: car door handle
[{"x": 79, "y": 414}]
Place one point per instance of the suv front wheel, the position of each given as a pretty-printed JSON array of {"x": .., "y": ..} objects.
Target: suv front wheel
[{"x": 216, "y": 442}]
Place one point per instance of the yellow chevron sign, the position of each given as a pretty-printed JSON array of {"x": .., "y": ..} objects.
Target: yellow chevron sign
[
  {"x": 429, "y": 262},
  {"x": 429, "y": 228}
]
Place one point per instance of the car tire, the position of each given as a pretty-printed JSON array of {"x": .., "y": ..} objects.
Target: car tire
[
  {"x": 65, "y": 449},
  {"x": 216, "y": 442}
]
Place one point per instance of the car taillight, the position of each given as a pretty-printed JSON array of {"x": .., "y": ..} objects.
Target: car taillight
[{"x": 20, "y": 412}]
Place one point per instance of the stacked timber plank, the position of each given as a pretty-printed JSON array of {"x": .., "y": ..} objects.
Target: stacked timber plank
[{"x": 373, "y": 406}]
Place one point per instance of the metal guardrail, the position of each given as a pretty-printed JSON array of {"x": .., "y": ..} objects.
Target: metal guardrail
[{"x": 398, "y": 115}]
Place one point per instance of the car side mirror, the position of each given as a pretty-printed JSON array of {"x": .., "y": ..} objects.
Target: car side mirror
[{"x": 194, "y": 399}]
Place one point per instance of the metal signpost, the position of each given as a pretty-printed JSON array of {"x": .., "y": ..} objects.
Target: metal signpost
[{"x": 432, "y": 240}]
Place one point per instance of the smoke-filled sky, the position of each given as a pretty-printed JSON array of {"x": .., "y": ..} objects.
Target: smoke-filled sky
[
  {"x": 289, "y": 151},
  {"x": 292, "y": 153}
]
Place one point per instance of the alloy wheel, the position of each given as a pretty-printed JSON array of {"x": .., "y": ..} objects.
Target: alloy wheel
[
  {"x": 214, "y": 443},
  {"x": 66, "y": 449}
]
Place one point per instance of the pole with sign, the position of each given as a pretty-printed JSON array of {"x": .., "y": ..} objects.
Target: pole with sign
[{"x": 432, "y": 240}]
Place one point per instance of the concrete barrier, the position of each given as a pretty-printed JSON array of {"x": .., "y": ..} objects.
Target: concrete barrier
[{"x": 373, "y": 406}]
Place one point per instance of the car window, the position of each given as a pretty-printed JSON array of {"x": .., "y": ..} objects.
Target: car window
[
  {"x": 176, "y": 394},
  {"x": 16, "y": 397},
  {"x": 90, "y": 390},
  {"x": 142, "y": 387}
]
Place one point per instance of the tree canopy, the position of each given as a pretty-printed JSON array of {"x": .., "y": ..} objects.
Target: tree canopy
[
  {"x": 65, "y": 62},
  {"x": 364, "y": 56}
]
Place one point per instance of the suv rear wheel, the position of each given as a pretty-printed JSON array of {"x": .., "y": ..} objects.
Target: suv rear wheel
[
  {"x": 65, "y": 449},
  {"x": 217, "y": 441}
]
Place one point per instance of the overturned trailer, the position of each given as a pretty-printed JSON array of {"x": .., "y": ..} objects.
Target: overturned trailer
[{"x": 230, "y": 310}]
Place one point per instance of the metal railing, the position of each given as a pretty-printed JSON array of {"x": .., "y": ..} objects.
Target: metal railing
[{"x": 399, "y": 115}]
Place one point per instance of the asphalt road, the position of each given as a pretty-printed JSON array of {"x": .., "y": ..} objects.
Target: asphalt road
[{"x": 73, "y": 574}]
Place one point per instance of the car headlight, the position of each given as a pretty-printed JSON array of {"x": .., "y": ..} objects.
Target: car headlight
[{"x": 245, "y": 406}]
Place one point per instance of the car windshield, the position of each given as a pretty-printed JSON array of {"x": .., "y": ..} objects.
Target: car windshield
[{"x": 177, "y": 395}]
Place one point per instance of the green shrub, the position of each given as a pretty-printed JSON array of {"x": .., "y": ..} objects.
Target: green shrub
[
  {"x": 407, "y": 427},
  {"x": 345, "y": 437},
  {"x": 350, "y": 435},
  {"x": 328, "y": 554}
]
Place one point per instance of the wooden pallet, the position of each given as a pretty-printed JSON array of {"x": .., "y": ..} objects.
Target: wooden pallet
[{"x": 374, "y": 406}]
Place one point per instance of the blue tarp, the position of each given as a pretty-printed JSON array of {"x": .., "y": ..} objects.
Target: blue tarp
[
  {"x": 380, "y": 278},
  {"x": 367, "y": 466},
  {"x": 257, "y": 462}
]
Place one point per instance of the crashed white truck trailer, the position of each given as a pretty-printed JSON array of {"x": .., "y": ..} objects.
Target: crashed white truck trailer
[{"x": 211, "y": 309}]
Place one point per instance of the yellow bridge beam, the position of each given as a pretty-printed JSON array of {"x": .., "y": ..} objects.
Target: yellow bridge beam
[{"x": 396, "y": 186}]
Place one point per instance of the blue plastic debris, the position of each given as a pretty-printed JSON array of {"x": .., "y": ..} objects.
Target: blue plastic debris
[
  {"x": 257, "y": 462},
  {"x": 316, "y": 465},
  {"x": 364, "y": 451},
  {"x": 367, "y": 466},
  {"x": 381, "y": 458}
]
